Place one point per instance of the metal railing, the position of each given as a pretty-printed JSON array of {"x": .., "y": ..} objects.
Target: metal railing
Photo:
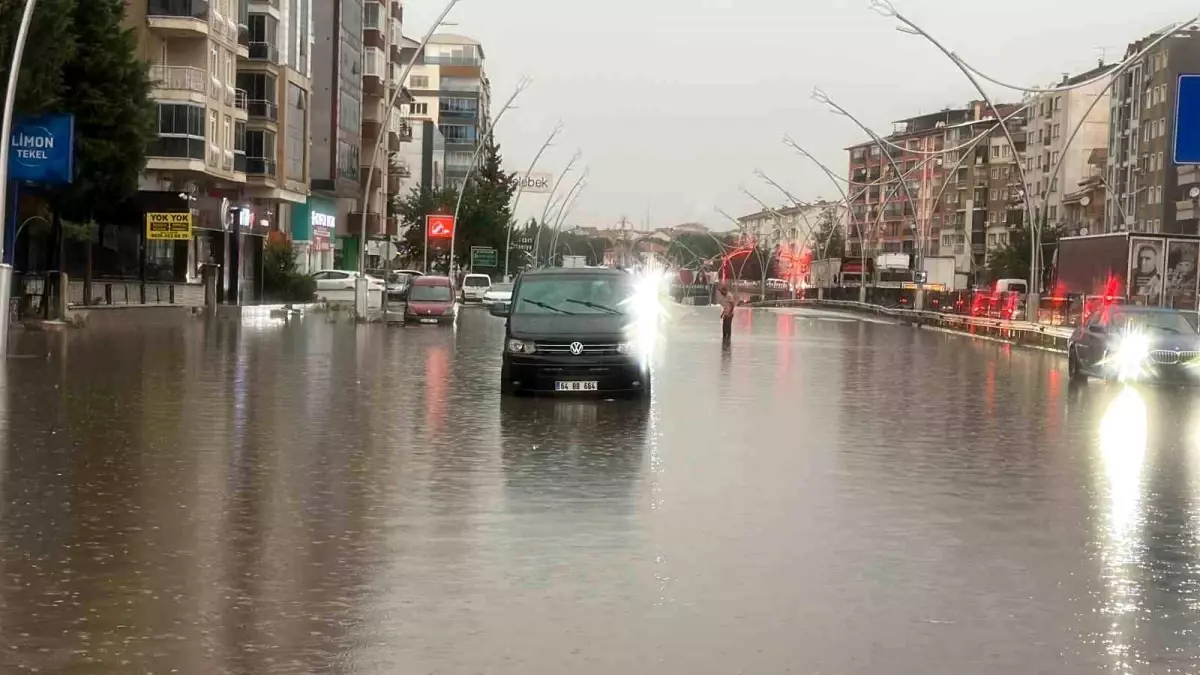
[
  {"x": 239, "y": 99},
  {"x": 183, "y": 78},
  {"x": 262, "y": 108}
]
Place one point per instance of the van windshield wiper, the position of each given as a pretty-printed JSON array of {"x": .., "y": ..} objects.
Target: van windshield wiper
[
  {"x": 549, "y": 307},
  {"x": 593, "y": 305}
]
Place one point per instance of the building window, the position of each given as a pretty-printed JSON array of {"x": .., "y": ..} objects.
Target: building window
[
  {"x": 458, "y": 133},
  {"x": 180, "y": 132},
  {"x": 349, "y": 113},
  {"x": 348, "y": 160},
  {"x": 418, "y": 81},
  {"x": 374, "y": 63},
  {"x": 372, "y": 14},
  {"x": 1162, "y": 127},
  {"x": 420, "y": 109},
  {"x": 458, "y": 106}
]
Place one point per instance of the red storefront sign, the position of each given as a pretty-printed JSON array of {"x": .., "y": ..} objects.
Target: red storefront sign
[{"x": 439, "y": 227}]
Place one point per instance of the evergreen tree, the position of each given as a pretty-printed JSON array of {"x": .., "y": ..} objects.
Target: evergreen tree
[
  {"x": 483, "y": 220},
  {"x": 107, "y": 87},
  {"x": 48, "y": 47}
]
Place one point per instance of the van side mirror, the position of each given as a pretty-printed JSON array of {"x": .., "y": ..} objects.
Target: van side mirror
[{"x": 500, "y": 309}]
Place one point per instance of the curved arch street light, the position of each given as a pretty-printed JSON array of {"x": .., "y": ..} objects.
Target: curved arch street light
[
  {"x": 522, "y": 85},
  {"x": 520, "y": 189},
  {"x": 537, "y": 237},
  {"x": 360, "y": 284}
]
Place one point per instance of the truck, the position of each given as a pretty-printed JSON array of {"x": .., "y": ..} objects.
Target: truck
[{"x": 1136, "y": 267}]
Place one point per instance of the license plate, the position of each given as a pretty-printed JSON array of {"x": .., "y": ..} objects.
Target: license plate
[
  {"x": 575, "y": 386},
  {"x": 428, "y": 320}
]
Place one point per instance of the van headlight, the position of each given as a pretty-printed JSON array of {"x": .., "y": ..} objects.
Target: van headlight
[
  {"x": 521, "y": 347},
  {"x": 626, "y": 347}
]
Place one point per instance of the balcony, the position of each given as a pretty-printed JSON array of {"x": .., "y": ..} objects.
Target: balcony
[
  {"x": 262, "y": 110},
  {"x": 263, "y": 51},
  {"x": 178, "y": 18},
  {"x": 240, "y": 101},
  {"x": 260, "y": 166},
  {"x": 371, "y": 128},
  {"x": 239, "y": 161},
  {"x": 177, "y": 147},
  {"x": 178, "y": 78}
]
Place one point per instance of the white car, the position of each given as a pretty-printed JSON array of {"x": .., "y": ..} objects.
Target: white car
[
  {"x": 343, "y": 280},
  {"x": 498, "y": 293},
  {"x": 475, "y": 286}
]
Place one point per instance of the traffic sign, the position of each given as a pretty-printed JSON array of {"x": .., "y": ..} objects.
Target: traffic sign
[
  {"x": 439, "y": 226},
  {"x": 1186, "y": 144},
  {"x": 483, "y": 256}
]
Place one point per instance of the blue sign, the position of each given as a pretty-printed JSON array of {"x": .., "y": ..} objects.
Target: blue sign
[
  {"x": 42, "y": 150},
  {"x": 1187, "y": 121}
]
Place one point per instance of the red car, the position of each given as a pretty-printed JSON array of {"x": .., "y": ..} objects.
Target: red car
[{"x": 431, "y": 300}]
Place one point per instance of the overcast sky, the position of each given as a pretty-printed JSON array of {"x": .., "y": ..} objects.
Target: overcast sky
[{"x": 674, "y": 103}]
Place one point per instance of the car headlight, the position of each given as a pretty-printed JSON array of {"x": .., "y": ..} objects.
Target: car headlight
[
  {"x": 521, "y": 347},
  {"x": 1130, "y": 354},
  {"x": 626, "y": 347}
]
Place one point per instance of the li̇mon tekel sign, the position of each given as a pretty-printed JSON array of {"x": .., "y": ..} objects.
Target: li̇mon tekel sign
[{"x": 42, "y": 150}]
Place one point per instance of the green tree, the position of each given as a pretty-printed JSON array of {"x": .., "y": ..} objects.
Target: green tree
[
  {"x": 831, "y": 239},
  {"x": 485, "y": 213},
  {"x": 419, "y": 203},
  {"x": 107, "y": 87},
  {"x": 49, "y": 46},
  {"x": 1011, "y": 261}
]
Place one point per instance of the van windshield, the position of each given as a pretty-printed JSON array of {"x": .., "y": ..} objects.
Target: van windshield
[
  {"x": 476, "y": 282},
  {"x": 574, "y": 295}
]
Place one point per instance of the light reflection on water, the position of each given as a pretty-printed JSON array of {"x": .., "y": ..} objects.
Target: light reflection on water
[{"x": 1122, "y": 440}]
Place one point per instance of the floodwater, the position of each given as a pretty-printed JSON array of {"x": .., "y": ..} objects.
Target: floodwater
[{"x": 829, "y": 495}]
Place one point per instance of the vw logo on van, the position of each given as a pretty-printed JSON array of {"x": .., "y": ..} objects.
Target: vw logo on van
[{"x": 576, "y": 348}]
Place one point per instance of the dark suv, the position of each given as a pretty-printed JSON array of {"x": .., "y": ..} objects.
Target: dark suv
[{"x": 573, "y": 331}]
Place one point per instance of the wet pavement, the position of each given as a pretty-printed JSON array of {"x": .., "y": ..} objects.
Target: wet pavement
[{"x": 830, "y": 495}]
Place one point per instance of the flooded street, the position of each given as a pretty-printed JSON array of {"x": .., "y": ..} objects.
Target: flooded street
[{"x": 831, "y": 495}]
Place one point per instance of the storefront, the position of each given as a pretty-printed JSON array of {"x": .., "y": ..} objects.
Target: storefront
[{"x": 313, "y": 225}]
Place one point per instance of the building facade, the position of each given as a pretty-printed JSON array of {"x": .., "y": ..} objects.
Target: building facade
[
  {"x": 1052, "y": 117},
  {"x": 450, "y": 88},
  {"x": 951, "y": 195},
  {"x": 1146, "y": 191},
  {"x": 231, "y": 79}
]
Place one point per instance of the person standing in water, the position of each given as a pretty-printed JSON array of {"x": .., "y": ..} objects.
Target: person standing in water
[{"x": 728, "y": 303}]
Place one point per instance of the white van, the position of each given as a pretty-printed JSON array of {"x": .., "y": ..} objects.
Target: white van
[{"x": 475, "y": 286}]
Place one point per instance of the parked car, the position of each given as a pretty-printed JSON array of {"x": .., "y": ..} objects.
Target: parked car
[
  {"x": 343, "y": 280},
  {"x": 1131, "y": 343},
  {"x": 568, "y": 331},
  {"x": 431, "y": 300},
  {"x": 475, "y": 286},
  {"x": 499, "y": 293}
]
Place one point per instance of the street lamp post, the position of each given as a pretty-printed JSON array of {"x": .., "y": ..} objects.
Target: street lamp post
[
  {"x": 10, "y": 100},
  {"x": 568, "y": 202},
  {"x": 360, "y": 283},
  {"x": 522, "y": 84},
  {"x": 822, "y": 97},
  {"x": 520, "y": 188},
  {"x": 537, "y": 237}
]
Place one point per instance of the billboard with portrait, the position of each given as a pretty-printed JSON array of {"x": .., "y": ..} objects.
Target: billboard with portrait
[
  {"x": 1183, "y": 259},
  {"x": 1146, "y": 265}
]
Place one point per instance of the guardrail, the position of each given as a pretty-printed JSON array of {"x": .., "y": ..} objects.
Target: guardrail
[{"x": 1043, "y": 336}]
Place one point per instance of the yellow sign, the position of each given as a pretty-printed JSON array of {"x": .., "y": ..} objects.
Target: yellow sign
[{"x": 169, "y": 226}]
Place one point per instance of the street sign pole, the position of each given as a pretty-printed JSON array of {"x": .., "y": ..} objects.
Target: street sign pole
[{"x": 10, "y": 97}]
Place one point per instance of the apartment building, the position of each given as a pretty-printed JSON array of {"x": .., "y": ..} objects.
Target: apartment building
[
  {"x": 229, "y": 77},
  {"x": 421, "y": 164},
  {"x": 956, "y": 166},
  {"x": 1052, "y": 117},
  {"x": 790, "y": 230},
  {"x": 1146, "y": 191},
  {"x": 449, "y": 87}
]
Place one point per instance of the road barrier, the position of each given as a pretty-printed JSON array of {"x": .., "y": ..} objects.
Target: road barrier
[{"x": 1026, "y": 333}]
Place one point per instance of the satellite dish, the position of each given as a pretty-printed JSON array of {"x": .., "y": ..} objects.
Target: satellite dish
[
  {"x": 1083, "y": 230},
  {"x": 1085, "y": 201},
  {"x": 1194, "y": 192}
]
